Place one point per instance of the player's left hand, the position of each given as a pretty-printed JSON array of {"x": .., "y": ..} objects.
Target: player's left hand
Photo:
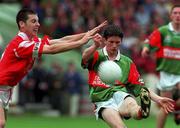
[
  {"x": 167, "y": 104},
  {"x": 99, "y": 41}
]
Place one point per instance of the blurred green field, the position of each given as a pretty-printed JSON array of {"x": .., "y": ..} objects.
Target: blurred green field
[{"x": 37, "y": 121}]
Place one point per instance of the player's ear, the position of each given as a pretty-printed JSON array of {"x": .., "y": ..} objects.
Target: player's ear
[{"x": 21, "y": 24}]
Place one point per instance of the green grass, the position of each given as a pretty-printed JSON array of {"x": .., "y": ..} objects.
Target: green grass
[{"x": 37, "y": 121}]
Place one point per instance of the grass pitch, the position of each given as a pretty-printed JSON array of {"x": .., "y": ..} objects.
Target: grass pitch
[{"x": 37, "y": 121}]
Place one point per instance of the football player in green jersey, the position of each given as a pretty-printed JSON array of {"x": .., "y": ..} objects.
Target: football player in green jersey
[
  {"x": 165, "y": 42},
  {"x": 117, "y": 101}
]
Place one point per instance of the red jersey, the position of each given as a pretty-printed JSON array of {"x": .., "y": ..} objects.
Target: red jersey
[{"x": 18, "y": 58}]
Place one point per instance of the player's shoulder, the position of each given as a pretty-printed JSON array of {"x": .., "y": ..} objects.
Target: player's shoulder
[
  {"x": 22, "y": 35},
  {"x": 100, "y": 52},
  {"x": 16, "y": 39},
  {"x": 163, "y": 28},
  {"x": 125, "y": 58}
]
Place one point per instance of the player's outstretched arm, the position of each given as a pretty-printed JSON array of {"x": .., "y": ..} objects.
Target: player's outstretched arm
[
  {"x": 69, "y": 38},
  {"x": 65, "y": 46},
  {"x": 166, "y": 103},
  {"x": 58, "y": 46},
  {"x": 97, "y": 41},
  {"x": 75, "y": 37}
]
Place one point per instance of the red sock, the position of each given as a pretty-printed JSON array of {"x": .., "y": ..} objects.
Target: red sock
[{"x": 139, "y": 115}]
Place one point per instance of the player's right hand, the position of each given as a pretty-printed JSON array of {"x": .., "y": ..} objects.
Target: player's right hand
[{"x": 145, "y": 52}]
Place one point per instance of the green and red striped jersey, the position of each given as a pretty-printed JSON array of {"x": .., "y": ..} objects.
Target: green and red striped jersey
[
  {"x": 129, "y": 82},
  {"x": 165, "y": 42}
]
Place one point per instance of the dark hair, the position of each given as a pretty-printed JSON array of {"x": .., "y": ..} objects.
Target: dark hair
[
  {"x": 174, "y": 6},
  {"x": 22, "y": 15},
  {"x": 112, "y": 30}
]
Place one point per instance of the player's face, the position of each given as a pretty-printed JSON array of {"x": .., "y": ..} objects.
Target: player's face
[
  {"x": 175, "y": 15},
  {"x": 112, "y": 44},
  {"x": 32, "y": 25}
]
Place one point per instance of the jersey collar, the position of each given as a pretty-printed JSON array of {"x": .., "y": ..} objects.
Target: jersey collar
[
  {"x": 106, "y": 54},
  {"x": 23, "y": 35},
  {"x": 171, "y": 27}
]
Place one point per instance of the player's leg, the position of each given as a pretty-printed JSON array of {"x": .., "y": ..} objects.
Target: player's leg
[
  {"x": 112, "y": 118},
  {"x": 176, "y": 97},
  {"x": 130, "y": 108},
  {"x": 5, "y": 96},
  {"x": 166, "y": 84},
  {"x": 177, "y": 113},
  {"x": 109, "y": 110},
  {"x": 162, "y": 115},
  {"x": 2, "y": 117}
]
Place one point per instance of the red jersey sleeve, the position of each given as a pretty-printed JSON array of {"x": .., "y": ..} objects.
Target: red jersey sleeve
[
  {"x": 134, "y": 82},
  {"x": 31, "y": 48},
  {"x": 155, "y": 39},
  {"x": 134, "y": 76},
  {"x": 44, "y": 41}
]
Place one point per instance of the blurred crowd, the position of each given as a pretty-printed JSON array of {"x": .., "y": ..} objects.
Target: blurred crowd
[
  {"x": 63, "y": 88},
  {"x": 137, "y": 19},
  {"x": 60, "y": 87}
]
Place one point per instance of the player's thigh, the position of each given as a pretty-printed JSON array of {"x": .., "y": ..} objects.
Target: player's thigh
[
  {"x": 112, "y": 118},
  {"x": 128, "y": 106},
  {"x": 177, "y": 94},
  {"x": 169, "y": 93}
]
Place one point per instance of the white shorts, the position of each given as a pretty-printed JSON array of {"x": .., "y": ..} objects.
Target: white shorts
[
  {"x": 168, "y": 81},
  {"x": 115, "y": 102},
  {"x": 5, "y": 96}
]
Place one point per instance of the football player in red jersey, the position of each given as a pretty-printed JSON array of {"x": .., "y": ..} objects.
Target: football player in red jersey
[{"x": 20, "y": 54}]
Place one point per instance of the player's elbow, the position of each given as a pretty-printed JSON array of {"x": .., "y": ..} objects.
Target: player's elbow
[{"x": 84, "y": 58}]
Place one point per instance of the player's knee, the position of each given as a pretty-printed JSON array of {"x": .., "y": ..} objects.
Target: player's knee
[
  {"x": 134, "y": 108},
  {"x": 137, "y": 114}
]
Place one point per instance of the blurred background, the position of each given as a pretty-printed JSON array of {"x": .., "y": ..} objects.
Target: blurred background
[{"x": 56, "y": 90}]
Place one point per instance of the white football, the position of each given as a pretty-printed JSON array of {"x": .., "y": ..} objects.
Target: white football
[{"x": 109, "y": 72}]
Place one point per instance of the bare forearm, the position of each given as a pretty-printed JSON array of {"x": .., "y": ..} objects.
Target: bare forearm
[
  {"x": 74, "y": 37},
  {"x": 154, "y": 96},
  {"x": 68, "y": 38},
  {"x": 166, "y": 103},
  {"x": 61, "y": 47},
  {"x": 70, "y": 42},
  {"x": 88, "y": 52}
]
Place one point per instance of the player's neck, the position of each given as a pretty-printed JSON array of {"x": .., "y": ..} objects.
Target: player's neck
[
  {"x": 112, "y": 56},
  {"x": 176, "y": 27},
  {"x": 29, "y": 35}
]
